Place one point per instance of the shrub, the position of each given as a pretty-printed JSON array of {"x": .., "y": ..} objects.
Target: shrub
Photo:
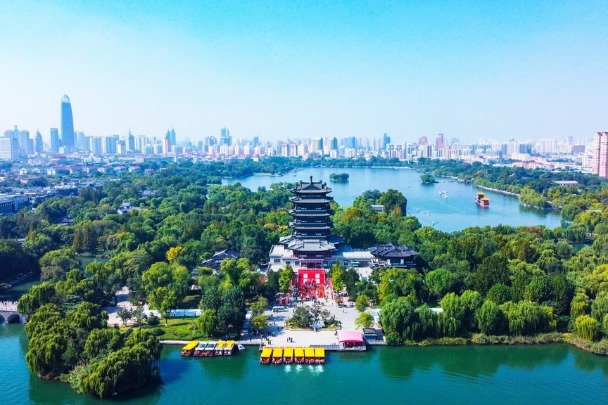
[
  {"x": 393, "y": 339},
  {"x": 153, "y": 321},
  {"x": 157, "y": 332}
]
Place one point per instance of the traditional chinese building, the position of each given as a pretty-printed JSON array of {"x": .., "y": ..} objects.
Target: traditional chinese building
[
  {"x": 311, "y": 244},
  {"x": 389, "y": 255}
]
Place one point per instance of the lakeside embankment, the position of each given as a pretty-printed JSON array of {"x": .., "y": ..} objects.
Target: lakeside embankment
[
  {"x": 479, "y": 339},
  {"x": 496, "y": 190}
]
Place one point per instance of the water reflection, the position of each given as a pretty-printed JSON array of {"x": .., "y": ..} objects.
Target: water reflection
[{"x": 470, "y": 361}]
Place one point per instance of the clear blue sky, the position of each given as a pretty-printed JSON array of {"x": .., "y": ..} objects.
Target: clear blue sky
[{"x": 499, "y": 70}]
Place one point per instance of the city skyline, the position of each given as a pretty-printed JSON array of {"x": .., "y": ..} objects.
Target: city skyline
[{"x": 280, "y": 71}]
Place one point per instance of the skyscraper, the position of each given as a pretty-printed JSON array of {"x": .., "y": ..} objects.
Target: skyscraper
[
  {"x": 38, "y": 145},
  {"x": 600, "y": 154},
  {"x": 225, "y": 138},
  {"x": 55, "y": 142},
  {"x": 67, "y": 124}
]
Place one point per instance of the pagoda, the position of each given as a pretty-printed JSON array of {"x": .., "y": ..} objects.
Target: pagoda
[
  {"x": 311, "y": 210},
  {"x": 311, "y": 243}
]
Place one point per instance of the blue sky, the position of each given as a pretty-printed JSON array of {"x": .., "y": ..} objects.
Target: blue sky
[{"x": 499, "y": 70}]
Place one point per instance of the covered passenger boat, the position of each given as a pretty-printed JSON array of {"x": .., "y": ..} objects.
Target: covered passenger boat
[
  {"x": 277, "y": 355},
  {"x": 309, "y": 354},
  {"x": 288, "y": 355},
  {"x": 199, "y": 349},
  {"x": 209, "y": 349},
  {"x": 320, "y": 355},
  {"x": 188, "y": 350},
  {"x": 229, "y": 348},
  {"x": 266, "y": 355},
  {"x": 299, "y": 355},
  {"x": 219, "y": 348}
]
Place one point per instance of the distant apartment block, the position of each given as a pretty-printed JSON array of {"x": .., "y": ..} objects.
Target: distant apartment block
[{"x": 600, "y": 154}]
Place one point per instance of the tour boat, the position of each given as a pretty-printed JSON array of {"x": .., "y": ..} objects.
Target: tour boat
[
  {"x": 229, "y": 348},
  {"x": 288, "y": 355},
  {"x": 266, "y": 355},
  {"x": 482, "y": 201},
  {"x": 219, "y": 348},
  {"x": 320, "y": 355},
  {"x": 209, "y": 349},
  {"x": 188, "y": 350},
  {"x": 299, "y": 354},
  {"x": 309, "y": 353},
  {"x": 199, "y": 350},
  {"x": 277, "y": 355}
]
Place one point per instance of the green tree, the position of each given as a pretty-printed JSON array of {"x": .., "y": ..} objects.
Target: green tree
[
  {"x": 285, "y": 277},
  {"x": 362, "y": 303},
  {"x": 207, "y": 322},
  {"x": 440, "y": 282},
  {"x": 259, "y": 306},
  {"x": 392, "y": 199},
  {"x": 489, "y": 318},
  {"x": 399, "y": 317},
  {"x": 337, "y": 276},
  {"x": 499, "y": 293},
  {"x": 587, "y": 327},
  {"x": 364, "y": 320},
  {"x": 260, "y": 321},
  {"x": 124, "y": 314}
]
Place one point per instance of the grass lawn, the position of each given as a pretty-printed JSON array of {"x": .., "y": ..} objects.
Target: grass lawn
[{"x": 177, "y": 329}]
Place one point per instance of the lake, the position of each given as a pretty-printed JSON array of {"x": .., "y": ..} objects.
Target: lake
[
  {"x": 452, "y": 213},
  {"x": 552, "y": 374}
]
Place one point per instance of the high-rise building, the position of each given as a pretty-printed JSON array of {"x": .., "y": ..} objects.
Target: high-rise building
[
  {"x": 81, "y": 142},
  {"x": 67, "y": 124},
  {"x": 172, "y": 137},
  {"x": 385, "y": 141},
  {"x": 225, "y": 138},
  {"x": 38, "y": 145},
  {"x": 600, "y": 154},
  {"x": 130, "y": 142},
  {"x": 9, "y": 148},
  {"x": 24, "y": 142},
  {"x": 55, "y": 141},
  {"x": 439, "y": 142}
]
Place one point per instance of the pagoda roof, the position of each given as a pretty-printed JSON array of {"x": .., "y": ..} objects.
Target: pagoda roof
[
  {"x": 311, "y": 200},
  {"x": 311, "y": 187},
  {"x": 310, "y": 245},
  {"x": 309, "y": 213},
  {"x": 390, "y": 250}
]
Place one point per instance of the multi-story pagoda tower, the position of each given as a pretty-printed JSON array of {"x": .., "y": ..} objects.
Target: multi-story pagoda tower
[
  {"x": 311, "y": 243},
  {"x": 311, "y": 210}
]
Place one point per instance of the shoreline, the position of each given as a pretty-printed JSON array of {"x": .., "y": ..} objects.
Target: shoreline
[
  {"x": 599, "y": 348},
  {"x": 496, "y": 190}
]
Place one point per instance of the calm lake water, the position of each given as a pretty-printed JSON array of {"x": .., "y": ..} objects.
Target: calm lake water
[
  {"x": 550, "y": 374},
  {"x": 454, "y": 213}
]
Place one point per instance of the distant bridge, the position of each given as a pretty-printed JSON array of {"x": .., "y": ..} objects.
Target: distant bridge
[{"x": 9, "y": 314}]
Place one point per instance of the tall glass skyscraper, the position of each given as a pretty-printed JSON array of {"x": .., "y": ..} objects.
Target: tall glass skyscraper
[{"x": 67, "y": 124}]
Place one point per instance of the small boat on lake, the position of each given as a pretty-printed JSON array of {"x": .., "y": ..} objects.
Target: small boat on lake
[
  {"x": 320, "y": 355},
  {"x": 229, "y": 348},
  {"x": 288, "y": 355},
  {"x": 266, "y": 355},
  {"x": 277, "y": 355},
  {"x": 299, "y": 355},
  {"x": 188, "y": 350},
  {"x": 482, "y": 200},
  {"x": 309, "y": 354}
]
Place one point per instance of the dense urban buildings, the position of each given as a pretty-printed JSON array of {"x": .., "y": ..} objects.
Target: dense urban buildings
[{"x": 78, "y": 147}]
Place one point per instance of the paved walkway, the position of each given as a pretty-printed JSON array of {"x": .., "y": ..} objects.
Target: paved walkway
[
  {"x": 122, "y": 301},
  {"x": 279, "y": 336}
]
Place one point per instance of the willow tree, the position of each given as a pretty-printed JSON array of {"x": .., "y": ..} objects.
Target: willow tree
[{"x": 587, "y": 327}]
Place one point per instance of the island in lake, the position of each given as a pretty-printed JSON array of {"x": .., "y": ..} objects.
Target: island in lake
[{"x": 339, "y": 177}]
